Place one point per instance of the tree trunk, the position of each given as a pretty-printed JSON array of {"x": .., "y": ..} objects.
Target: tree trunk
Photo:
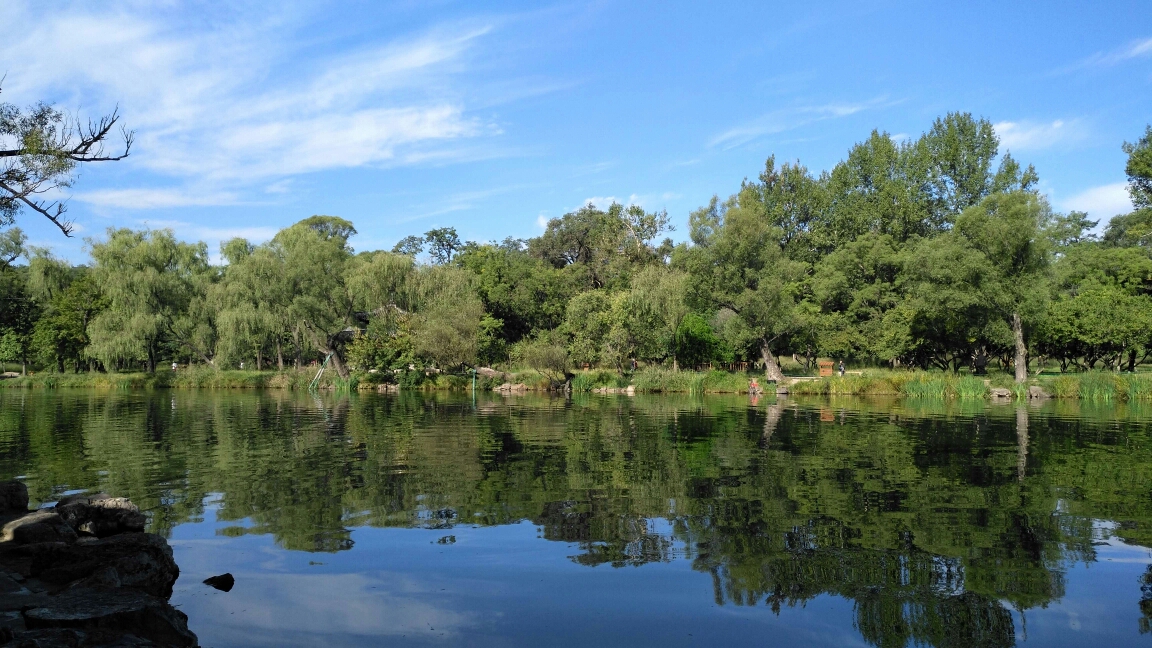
[
  {"x": 151, "y": 358},
  {"x": 327, "y": 347},
  {"x": 1132, "y": 360},
  {"x": 259, "y": 359},
  {"x": 1021, "y": 349},
  {"x": 675, "y": 365},
  {"x": 279, "y": 356},
  {"x": 771, "y": 368}
]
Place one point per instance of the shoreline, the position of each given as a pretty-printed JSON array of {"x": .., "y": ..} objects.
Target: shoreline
[{"x": 1090, "y": 386}]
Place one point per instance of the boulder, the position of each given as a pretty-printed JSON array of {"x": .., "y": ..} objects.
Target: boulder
[
  {"x": 1000, "y": 393},
  {"x": 37, "y": 526},
  {"x": 1036, "y": 392},
  {"x": 13, "y": 497},
  {"x": 139, "y": 561},
  {"x": 100, "y": 515},
  {"x": 112, "y": 614}
]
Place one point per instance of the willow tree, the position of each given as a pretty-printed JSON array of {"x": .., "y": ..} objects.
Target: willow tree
[
  {"x": 150, "y": 281},
  {"x": 313, "y": 258}
]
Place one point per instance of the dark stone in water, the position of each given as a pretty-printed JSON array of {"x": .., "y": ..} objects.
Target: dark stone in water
[
  {"x": 223, "y": 582},
  {"x": 448, "y": 539},
  {"x": 13, "y": 497}
]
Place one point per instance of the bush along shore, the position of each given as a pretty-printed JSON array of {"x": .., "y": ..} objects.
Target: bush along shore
[{"x": 1095, "y": 386}]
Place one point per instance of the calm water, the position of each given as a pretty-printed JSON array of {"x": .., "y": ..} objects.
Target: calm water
[{"x": 599, "y": 521}]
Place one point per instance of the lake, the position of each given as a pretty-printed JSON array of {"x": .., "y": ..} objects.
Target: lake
[{"x": 435, "y": 519}]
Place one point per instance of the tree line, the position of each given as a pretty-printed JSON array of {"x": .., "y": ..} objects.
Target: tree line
[{"x": 933, "y": 252}]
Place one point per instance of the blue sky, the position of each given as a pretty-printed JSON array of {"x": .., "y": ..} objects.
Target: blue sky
[{"x": 492, "y": 118}]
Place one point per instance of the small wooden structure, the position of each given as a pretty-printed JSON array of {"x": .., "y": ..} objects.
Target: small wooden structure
[{"x": 825, "y": 367}]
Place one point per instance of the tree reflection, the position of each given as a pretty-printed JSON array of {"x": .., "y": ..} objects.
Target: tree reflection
[{"x": 929, "y": 516}]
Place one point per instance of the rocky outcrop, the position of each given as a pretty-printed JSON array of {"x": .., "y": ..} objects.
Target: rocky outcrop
[
  {"x": 1037, "y": 393},
  {"x": 630, "y": 390},
  {"x": 509, "y": 388},
  {"x": 85, "y": 574},
  {"x": 1000, "y": 394},
  {"x": 100, "y": 515}
]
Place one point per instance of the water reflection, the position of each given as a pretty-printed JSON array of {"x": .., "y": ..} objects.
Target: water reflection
[{"x": 943, "y": 523}]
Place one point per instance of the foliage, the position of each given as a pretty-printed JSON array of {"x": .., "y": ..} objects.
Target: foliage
[{"x": 934, "y": 252}]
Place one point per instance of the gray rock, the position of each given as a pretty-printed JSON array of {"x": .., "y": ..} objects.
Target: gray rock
[
  {"x": 139, "y": 561},
  {"x": 1035, "y": 392},
  {"x": 38, "y": 526},
  {"x": 13, "y": 497},
  {"x": 1000, "y": 393},
  {"x": 100, "y": 515},
  {"x": 115, "y": 613}
]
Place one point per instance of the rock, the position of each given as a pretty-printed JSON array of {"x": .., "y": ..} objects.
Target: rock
[
  {"x": 1036, "y": 392},
  {"x": 387, "y": 388},
  {"x": 223, "y": 582},
  {"x": 630, "y": 390},
  {"x": 139, "y": 561},
  {"x": 1000, "y": 393},
  {"x": 38, "y": 526},
  {"x": 100, "y": 515},
  {"x": 489, "y": 372},
  {"x": 13, "y": 497},
  {"x": 781, "y": 390},
  {"x": 113, "y": 613},
  {"x": 511, "y": 388}
]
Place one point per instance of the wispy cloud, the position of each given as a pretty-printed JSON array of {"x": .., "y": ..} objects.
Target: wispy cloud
[
  {"x": 1133, "y": 50},
  {"x": 1101, "y": 202},
  {"x": 230, "y": 106},
  {"x": 156, "y": 198},
  {"x": 779, "y": 121},
  {"x": 1026, "y": 135}
]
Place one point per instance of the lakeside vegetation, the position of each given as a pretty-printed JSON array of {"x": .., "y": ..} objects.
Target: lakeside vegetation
[{"x": 933, "y": 257}]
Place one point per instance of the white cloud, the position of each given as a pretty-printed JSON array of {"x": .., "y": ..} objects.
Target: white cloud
[
  {"x": 155, "y": 198},
  {"x": 1133, "y": 50},
  {"x": 1101, "y": 202},
  {"x": 542, "y": 221},
  {"x": 787, "y": 119},
  {"x": 1024, "y": 135},
  {"x": 229, "y": 105}
]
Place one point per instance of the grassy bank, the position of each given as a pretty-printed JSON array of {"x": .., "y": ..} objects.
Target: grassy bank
[
  {"x": 658, "y": 380},
  {"x": 1100, "y": 387},
  {"x": 188, "y": 378},
  {"x": 1091, "y": 386}
]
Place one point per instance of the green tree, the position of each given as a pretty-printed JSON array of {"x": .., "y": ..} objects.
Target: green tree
[
  {"x": 1139, "y": 170},
  {"x": 11, "y": 246},
  {"x": 150, "y": 280},
  {"x": 1007, "y": 229},
  {"x": 447, "y": 326},
  {"x": 664, "y": 292},
  {"x": 313, "y": 257},
  {"x": 739, "y": 264}
]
